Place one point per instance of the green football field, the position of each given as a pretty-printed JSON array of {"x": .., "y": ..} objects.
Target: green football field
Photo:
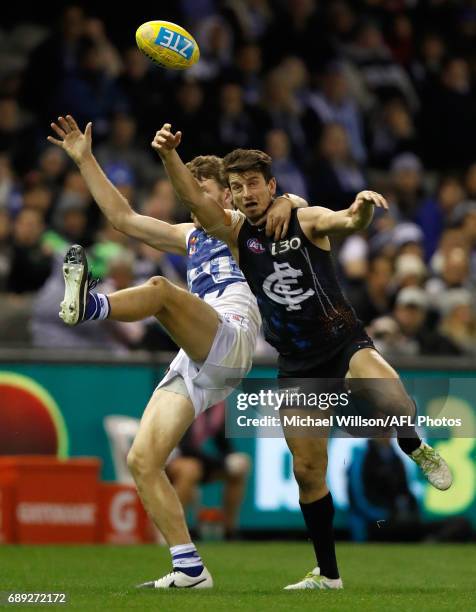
[{"x": 249, "y": 576}]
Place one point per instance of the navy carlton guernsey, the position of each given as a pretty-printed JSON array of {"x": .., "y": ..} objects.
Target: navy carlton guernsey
[{"x": 305, "y": 314}]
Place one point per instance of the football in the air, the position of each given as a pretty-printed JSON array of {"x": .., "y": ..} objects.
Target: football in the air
[{"x": 167, "y": 44}]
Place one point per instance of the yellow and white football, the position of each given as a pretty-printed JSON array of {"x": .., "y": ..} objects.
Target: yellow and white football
[{"x": 167, "y": 44}]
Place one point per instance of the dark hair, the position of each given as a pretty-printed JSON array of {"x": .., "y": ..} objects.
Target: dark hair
[
  {"x": 208, "y": 167},
  {"x": 244, "y": 160}
]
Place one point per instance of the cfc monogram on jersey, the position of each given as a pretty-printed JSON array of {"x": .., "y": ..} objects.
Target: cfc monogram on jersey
[{"x": 305, "y": 314}]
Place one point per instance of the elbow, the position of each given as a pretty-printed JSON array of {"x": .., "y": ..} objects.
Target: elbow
[
  {"x": 120, "y": 222},
  {"x": 117, "y": 223}
]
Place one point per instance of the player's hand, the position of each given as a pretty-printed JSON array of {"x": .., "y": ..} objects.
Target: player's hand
[
  {"x": 364, "y": 199},
  {"x": 164, "y": 141},
  {"x": 76, "y": 143},
  {"x": 277, "y": 218}
]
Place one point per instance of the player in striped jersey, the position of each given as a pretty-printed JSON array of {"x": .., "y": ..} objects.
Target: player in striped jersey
[{"x": 216, "y": 324}]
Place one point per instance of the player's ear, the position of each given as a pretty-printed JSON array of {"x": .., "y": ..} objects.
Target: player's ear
[
  {"x": 228, "y": 200},
  {"x": 272, "y": 186}
]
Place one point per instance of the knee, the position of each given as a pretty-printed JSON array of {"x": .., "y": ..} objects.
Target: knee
[
  {"x": 159, "y": 282},
  {"x": 310, "y": 473},
  {"x": 142, "y": 465}
]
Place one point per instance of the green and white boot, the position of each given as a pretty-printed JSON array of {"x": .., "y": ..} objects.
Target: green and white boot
[
  {"x": 434, "y": 467},
  {"x": 314, "y": 580}
]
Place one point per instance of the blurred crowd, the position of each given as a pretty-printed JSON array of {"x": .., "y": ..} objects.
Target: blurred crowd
[{"x": 343, "y": 95}]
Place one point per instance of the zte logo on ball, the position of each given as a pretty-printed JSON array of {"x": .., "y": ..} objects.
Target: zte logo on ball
[{"x": 175, "y": 42}]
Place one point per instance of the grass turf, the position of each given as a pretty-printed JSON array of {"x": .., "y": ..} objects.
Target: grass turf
[{"x": 249, "y": 576}]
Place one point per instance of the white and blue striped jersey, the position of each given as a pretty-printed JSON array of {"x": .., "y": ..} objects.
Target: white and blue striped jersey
[{"x": 214, "y": 276}]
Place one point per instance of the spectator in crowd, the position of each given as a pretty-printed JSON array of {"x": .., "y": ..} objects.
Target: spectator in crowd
[
  {"x": 381, "y": 75},
  {"x": 410, "y": 312},
  {"x": 455, "y": 268},
  {"x": 121, "y": 149},
  {"x": 206, "y": 455},
  {"x": 336, "y": 177},
  {"x": 283, "y": 110},
  {"x": 372, "y": 297},
  {"x": 40, "y": 198},
  {"x": 401, "y": 39},
  {"x": 30, "y": 261},
  {"x": 306, "y": 35},
  {"x": 90, "y": 94},
  {"x": 52, "y": 167},
  {"x": 382, "y": 506},
  {"x": 436, "y": 211},
  {"x": 121, "y": 275},
  {"x": 458, "y": 319},
  {"x": 407, "y": 238},
  {"x": 144, "y": 87},
  {"x": 53, "y": 61},
  {"x": 288, "y": 175},
  {"x": 451, "y": 238},
  {"x": 162, "y": 202},
  {"x": 236, "y": 125},
  {"x": 249, "y": 19},
  {"x": 450, "y": 106},
  {"x": 388, "y": 338},
  {"x": 407, "y": 178},
  {"x": 393, "y": 132},
  {"x": 410, "y": 271},
  {"x": 332, "y": 103},
  {"x": 215, "y": 39},
  {"x": 426, "y": 64},
  {"x": 247, "y": 72},
  {"x": 192, "y": 117},
  {"x": 17, "y": 135},
  {"x": 109, "y": 57}
]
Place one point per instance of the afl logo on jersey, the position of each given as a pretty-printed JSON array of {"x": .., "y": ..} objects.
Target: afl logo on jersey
[
  {"x": 255, "y": 246},
  {"x": 193, "y": 245}
]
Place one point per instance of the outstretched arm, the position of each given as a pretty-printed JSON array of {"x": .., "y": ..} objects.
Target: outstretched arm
[
  {"x": 210, "y": 214},
  {"x": 113, "y": 204},
  {"x": 320, "y": 221}
]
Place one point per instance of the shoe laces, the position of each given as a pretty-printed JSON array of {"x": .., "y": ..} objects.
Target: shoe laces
[
  {"x": 430, "y": 458},
  {"x": 169, "y": 575}
]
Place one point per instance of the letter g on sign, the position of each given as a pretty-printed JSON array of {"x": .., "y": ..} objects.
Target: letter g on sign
[{"x": 123, "y": 514}]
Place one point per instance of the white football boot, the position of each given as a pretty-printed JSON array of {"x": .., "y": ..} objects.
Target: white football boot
[
  {"x": 179, "y": 580},
  {"x": 77, "y": 283},
  {"x": 434, "y": 467},
  {"x": 314, "y": 580}
]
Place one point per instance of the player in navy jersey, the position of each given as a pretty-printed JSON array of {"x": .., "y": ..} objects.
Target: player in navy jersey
[
  {"x": 217, "y": 333},
  {"x": 305, "y": 317}
]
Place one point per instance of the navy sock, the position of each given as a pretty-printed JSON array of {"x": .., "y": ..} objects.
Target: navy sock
[
  {"x": 408, "y": 445},
  {"x": 97, "y": 306},
  {"x": 319, "y": 517},
  {"x": 407, "y": 437},
  {"x": 186, "y": 559}
]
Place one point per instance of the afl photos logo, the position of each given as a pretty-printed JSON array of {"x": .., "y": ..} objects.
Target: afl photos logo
[{"x": 255, "y": 246}]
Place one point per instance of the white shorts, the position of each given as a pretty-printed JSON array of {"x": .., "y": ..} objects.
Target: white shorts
[{"x": 228, "y": 361}]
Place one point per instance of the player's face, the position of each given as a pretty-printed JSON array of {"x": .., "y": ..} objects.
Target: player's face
[
  {"x": 251, "y": 193},
  {"x": 215, "y": 191}
]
